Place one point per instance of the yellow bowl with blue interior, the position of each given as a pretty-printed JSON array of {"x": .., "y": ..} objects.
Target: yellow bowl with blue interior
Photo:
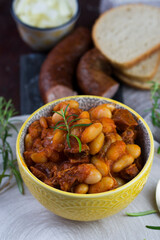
[
  {"x": 86, "y": 207},
  {"x": 39, "y": 38}
]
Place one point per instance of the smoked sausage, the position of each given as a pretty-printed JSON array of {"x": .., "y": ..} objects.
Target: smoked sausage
[
  {"x": 58, "y": 69},
  {"x": 93, "y": 74}
]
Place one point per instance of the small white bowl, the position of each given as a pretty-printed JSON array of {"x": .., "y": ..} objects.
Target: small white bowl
[{"x": 43, "y": 38}]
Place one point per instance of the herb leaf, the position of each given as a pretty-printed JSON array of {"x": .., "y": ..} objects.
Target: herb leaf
[
  {"x": 155, "y": 110},
  {"x": 155, "y": 97},
  {"x": 61, "y": 125},
  {"x": 72, "y": 115},
  {"x": 79, "y": 142},
  {"x": 66, "y": 123},
  {"x": 141, "y": 213},
  {"x": 153, "y": 227},
  {"x": 81, "y": 125},
  {"x": 68, "y": 141},
  {"x": 65, "y": 111},
  {"x": 17, "y": 176},
  {"x": 7, "y": 111},
  {"x": 57, "y": 113},
  {"x": 74, "y": 120}
]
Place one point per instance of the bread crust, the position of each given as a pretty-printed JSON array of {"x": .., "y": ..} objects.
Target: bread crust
[
  {"x": 134, "y": 83},
  {"x": 133, "y": 61},
  {"x": 140, "y": 78}
]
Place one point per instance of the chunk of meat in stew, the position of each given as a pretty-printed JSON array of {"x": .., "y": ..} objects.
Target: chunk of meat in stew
[
  {"x": 129, "y": 136},
  {"x": 123, "y": 119}
]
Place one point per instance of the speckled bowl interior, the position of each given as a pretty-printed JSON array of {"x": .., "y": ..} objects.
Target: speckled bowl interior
[{"x": 87, "y": 207}]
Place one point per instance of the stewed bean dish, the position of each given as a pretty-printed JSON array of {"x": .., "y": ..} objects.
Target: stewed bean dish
[{"x": 84, "y": 151}]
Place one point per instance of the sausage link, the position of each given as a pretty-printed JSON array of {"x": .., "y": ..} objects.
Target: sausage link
[
  {"x": 57, "y": 71},
  {"x": 93, "y": 74}
]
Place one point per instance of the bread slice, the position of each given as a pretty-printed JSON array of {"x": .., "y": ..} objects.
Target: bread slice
[
  {"x": 128, "y": 33},
  {"x": 137, "y": 84},
  {"x": 144, "y": 70}
]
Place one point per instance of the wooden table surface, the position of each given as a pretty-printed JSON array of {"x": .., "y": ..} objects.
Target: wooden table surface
[{"x": 12, "y": 47}]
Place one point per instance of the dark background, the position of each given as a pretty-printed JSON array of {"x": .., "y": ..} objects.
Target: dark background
[{"x": 12, "y": 47}]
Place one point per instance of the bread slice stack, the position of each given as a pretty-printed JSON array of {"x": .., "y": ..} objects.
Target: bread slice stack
[{"x": 129, "y": 37}]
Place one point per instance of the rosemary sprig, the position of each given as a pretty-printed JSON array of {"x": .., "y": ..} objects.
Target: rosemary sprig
[
  {"x": 153, "y": 227},
  {"x": 155, "y": 110},
  {"x": 158, "y": 150},
  {"x": 138, "y": 214},
  {"x": 66, "y": 126},
  {"x": 7, "y": 111},
  {"x": 155, "y": 97}
]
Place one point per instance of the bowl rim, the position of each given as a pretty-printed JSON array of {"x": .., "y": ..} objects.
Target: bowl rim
[
  {"x": 95, "y": 195},
  {"x": 73, "y": 18}
]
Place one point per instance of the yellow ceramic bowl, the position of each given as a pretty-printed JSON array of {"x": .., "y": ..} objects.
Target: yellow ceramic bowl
[
  {"x": 86, "y": 207},
  {"x": 44, "y": 38}
]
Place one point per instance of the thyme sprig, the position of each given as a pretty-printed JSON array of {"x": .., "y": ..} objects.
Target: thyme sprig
[
  {"x": 9, "y": 168},
  {"x": 66, "y": 125}
]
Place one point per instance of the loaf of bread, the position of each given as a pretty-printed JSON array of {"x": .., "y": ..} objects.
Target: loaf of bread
[
  {"x": 139, "y": 84},
  {"x": 128, "y": 33},
  {"x": 144, "y": 70}
]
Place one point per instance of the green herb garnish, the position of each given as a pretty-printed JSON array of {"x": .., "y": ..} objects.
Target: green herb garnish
[
  {"x": 153, "y": 227},
  {"x": 7, "y": 111},
  {"x": 66, "y": 126},
  {"x": 155, "y": 110},
  {"x": 155, "y": 96},
  {"x": 141, "y": 213},
  {"x": 158, "y": 150}
]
